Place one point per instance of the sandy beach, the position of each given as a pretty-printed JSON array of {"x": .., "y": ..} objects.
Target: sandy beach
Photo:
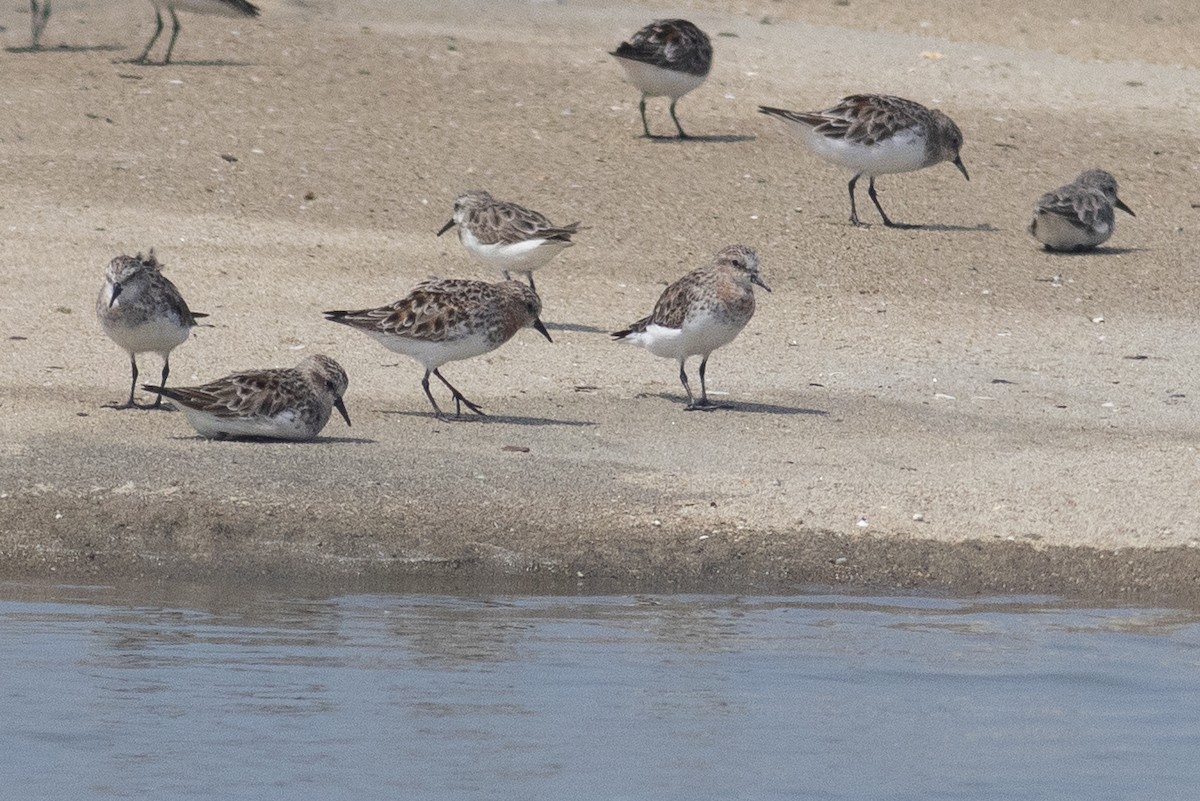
[{"x": 944, "y": 408}]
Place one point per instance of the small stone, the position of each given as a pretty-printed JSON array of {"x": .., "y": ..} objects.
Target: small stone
[{"x": 918, "y": 517}]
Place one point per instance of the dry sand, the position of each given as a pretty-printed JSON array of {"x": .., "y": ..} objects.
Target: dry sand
[{"x": 948, "y": 407}]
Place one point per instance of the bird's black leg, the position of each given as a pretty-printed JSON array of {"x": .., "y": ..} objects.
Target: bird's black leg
[
  {"x": 678, "y": 127},
  {"x": 157, "y": 32},
  {"x": 704, "y": 401},
  {"x": 166, "y": 372},
  {"x": 174, "y": 35},
  {"x": 854, "y": 211},
  {"x": 129, "y": 404},
  {"x": 531, "y": 286},
  {"x": 691, "y": 404},
  {"x": 875, "y": 200},
  {"x": 40, "y": 16},
  {"x": 645, "y": 126},
  {"x": 437, "y": 412},
  {"x": 459, "y": 398}
]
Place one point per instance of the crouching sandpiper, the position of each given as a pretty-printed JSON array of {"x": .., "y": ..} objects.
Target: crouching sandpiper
[
  {"x": 290, "y": 403},
  {"x": 1078, "y": 216}
]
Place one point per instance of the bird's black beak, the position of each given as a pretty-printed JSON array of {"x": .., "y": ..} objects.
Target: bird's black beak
[
  {"x": 446, "y": 227},
  {"x": 754, "y": 279},
  {"x": 541, "y": 329},
  {"x": 1120, "y": 204},
  {"x": 117, "y": 291},
  {"x": 961, "y": 168},
  {"x": 341, "y": 407}
]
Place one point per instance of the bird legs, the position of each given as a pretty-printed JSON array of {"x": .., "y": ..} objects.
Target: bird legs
[
  {"x": 693, "y": 404},
  {"x": 529, "y": 275},
  {"x": 874, "y": 199},
  {"x": 646, "y": 127},
  {"x": 678, "y": 127},
  {"x": 38, "y": 19},
  {"x": 130, "y": 403},
  {"x": 175, "y": 26},
  {"x": 459, "y": 399}
]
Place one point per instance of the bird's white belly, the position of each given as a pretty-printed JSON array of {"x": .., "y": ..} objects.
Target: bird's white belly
[
  {"x": 1055, "y": 231},
  {"x": 654, "y": 81},
  {"x": 903, "y": 152},
  {"x": 286, "y": 425},
  {"x": 158, "y": 336},
  {"x": 699, "y": 337},
  {"x": 518, "y": 257},
  {"x": 434, "y": 354}
]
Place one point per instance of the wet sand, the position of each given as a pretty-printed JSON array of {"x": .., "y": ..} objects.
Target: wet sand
[{"x": 948, "y": 407}]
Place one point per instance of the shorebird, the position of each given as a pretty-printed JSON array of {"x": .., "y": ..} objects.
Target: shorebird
[
  {"x": 667, "y": 58},
  {"x": 876, "y": 135},
  {"x": 228, "y": 8},
  {"x": 505, "y": 236},
  {"x": 292, "y": 403},
  {"x": 699, "y": 313},
  {"x": 446, "y": 319},
  {"x": 141, "y": 310},
  {"x": 1078, "y": 216}
]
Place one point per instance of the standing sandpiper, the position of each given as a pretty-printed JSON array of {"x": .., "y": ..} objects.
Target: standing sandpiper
[
  {"x": 446, "y": 319},
  {"x": 876, "y": 135},
  {"x": 699, "y": 313},
  {"x": 141, "y": 310},
  {"x": 669, "y": 57}
]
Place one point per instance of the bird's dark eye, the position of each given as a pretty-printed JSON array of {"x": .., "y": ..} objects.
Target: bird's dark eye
[{"x": 738, "y": 263}]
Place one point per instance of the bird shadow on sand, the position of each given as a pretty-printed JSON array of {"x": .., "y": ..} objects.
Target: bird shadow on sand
[
  {"x": 718, "y": 138},
  {"x": 981, "y": 228},
  {"x": 272, "y": 441},
  {"x": 514, "y": 420},
  {"x": 1102, "y": 251},
  {"x": 216, "y": 62},
  {"x": 105, "y": 48},
  {"x": 119, "y": 406},
  {"x": 583, "y": 329},
  {"x": 737, "y": 406}
]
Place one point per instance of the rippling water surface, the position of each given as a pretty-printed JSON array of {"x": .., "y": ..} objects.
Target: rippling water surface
[{"x": 262, "y": 696}]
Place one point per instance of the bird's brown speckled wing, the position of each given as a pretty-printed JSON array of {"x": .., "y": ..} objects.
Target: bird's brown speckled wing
[
  {"x": 432, "y": 311},
  {"x": 507, "y": 223},
  {"x": 865, "y": 119},
  {"x": 250, "y": 394},
  {"x": 673, "y": 44},
  {"x": 674, "y": 303},
  {"x": 1082, "y": 207}
]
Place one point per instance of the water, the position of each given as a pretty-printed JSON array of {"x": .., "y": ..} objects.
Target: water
[{"x": 107, "y": 695}]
